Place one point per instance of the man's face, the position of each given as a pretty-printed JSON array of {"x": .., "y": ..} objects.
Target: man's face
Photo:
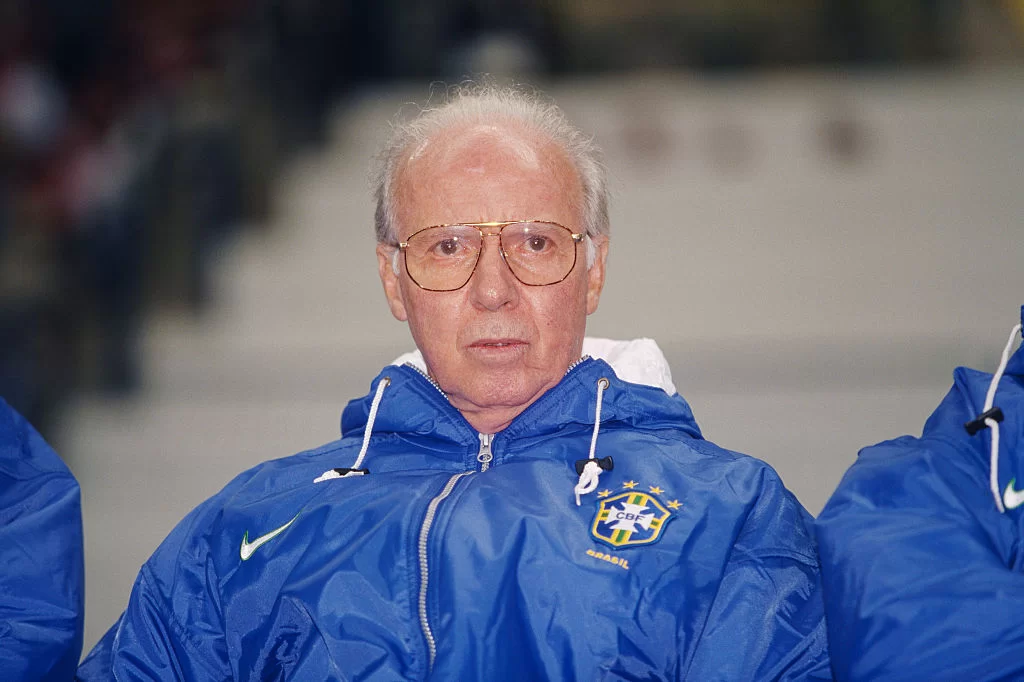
[{"x": 495, "y": 345}]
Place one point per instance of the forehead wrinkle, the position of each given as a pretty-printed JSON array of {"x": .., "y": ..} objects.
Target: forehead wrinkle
[
  {"x": 480, "y": 148},
  {"x": 472, "y": 146},
  {"x": 475, "y": 150}
]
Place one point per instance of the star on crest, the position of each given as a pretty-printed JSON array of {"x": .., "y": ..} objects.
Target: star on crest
[
  {"x": 604, "y": 493},
  {"x": 674, "y": 504},
  {"x": 656, "y": 490},
  {"x": 630, "y": 484}
]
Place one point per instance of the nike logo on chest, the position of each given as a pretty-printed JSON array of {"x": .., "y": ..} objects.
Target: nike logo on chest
[
  {"x": 247, "y": 548},
  {"x": 1012, "y": 498}
]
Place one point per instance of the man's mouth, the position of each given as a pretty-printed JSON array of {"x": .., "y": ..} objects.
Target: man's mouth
[{"x": 497, "y": 343}]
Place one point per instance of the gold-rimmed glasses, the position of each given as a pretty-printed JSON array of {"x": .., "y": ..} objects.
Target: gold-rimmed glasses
[{"x": 444, "y": 257}]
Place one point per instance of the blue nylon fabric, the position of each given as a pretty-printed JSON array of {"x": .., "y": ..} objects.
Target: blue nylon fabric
[
  {"x": 923, "y": 575},
  {"x": 518, "y": 587},
  {"x": 41, "y": 564}
]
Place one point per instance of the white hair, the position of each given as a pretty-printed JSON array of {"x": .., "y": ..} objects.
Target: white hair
[{"x": 474, "y": 103}]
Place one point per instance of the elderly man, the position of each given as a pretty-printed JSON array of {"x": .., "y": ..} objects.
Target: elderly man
[{"x": 501, "y": 506}]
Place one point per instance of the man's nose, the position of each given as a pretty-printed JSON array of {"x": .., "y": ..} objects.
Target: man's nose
[{"x": 493, "y": 285}]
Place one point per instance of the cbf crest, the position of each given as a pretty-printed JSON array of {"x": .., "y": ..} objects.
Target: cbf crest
[{"x": 630, "y": 518}]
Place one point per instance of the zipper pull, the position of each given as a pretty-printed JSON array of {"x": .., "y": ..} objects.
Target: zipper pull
[{"x": 485, "y": 456}]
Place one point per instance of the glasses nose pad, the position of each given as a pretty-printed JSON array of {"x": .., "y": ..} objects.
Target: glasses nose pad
[
  {"x": 504, "y": 254},
  {"x": 500, "y": 247}
]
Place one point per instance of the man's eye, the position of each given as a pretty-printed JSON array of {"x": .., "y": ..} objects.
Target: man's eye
[
  {"x": 537, "y": 244},
  {"x": 447, "y": 247}
]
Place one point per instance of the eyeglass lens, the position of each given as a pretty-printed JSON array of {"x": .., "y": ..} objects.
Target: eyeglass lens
[{"x": 444, "y": 258}]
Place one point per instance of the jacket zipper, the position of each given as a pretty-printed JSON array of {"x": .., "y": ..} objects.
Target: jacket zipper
[
  {"x": 428, "y": 378},
  {"x": 428, "y": 521},
  {"x": 575, "y": 365},
  {"x": 485, "y": 455}
]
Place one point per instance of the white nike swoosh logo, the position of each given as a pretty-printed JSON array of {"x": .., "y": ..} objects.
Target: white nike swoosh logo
[
  {"x": 248, "y": 548},
  {"x": 1012, "y": 498}
]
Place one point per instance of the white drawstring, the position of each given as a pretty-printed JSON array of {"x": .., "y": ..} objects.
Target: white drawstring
[
  {"x": 993, "y": 425},
  {"x": 355, "y": 470},
  {"x": 591, "y": 473}
]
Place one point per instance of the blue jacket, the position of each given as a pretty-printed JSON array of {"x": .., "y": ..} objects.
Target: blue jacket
[
  {"x": 452, "y": 561},
  {"x": 41, "y": 566},
  {"x": 923, "y": 573}
]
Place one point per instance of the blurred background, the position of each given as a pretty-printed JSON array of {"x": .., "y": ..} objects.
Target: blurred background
[{"x": 816, "y": 213}]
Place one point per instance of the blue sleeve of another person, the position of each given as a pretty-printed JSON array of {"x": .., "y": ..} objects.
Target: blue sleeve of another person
[
  {"x": 923, "y": 574},
  {"x": 41, "y": 564}
]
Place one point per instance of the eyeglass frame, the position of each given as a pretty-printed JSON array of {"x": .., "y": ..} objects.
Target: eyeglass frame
[{"x": 577, "y": 238}]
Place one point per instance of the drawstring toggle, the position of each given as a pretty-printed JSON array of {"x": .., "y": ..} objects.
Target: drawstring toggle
[
  {"x": 340, "y": 472},
  {"x": 605, "y": 463},
  {"x": 979, "y": 422},
  {"x": 355, "y": 470}
]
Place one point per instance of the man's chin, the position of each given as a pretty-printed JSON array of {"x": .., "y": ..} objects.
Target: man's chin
[{"x": 499, "y": 391}]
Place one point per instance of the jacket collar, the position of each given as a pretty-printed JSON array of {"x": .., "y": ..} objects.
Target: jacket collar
[{"x": 415, "y": 408}]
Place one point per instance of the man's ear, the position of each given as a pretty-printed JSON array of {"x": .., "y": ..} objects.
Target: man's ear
[
  {"x": 392, "y": 287},
  {"x": 595, "y": 275}
]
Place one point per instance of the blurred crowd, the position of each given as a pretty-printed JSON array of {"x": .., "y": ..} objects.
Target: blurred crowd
[
  {"x": 134, "y": 137},
  {"x": 137, "y": 135}
]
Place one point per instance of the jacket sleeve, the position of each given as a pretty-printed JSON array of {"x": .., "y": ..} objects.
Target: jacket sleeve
[
  {"x": 97, "y": 665},
  {"x": 922, "y": 574},
  {"x": 769, "y": 603},
  {"x": 171, "y": 629},
  {"x": 41, "y": 564}
]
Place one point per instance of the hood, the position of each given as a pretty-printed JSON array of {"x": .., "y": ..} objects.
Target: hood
[{"x": 967, "y": 401}]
